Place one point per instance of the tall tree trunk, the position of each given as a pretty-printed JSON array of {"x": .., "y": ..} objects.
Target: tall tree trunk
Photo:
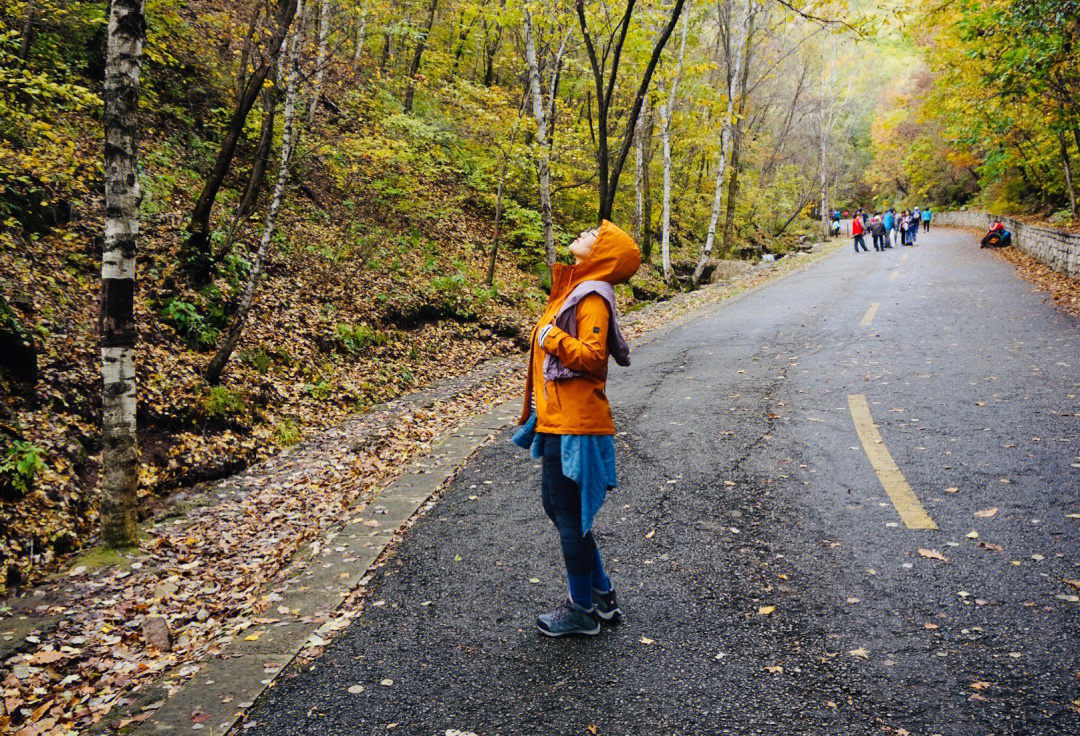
[
  {"x": 667, "y": 105},
  {"x": 491, "y": 49},
  {"x": 609, "y": 170},
  {"x": 320, "y": 59},
  {"x": 262, "y": 153},
  {"x": 647, "y": 234},
  {"x": 736, "y": 149},
  {"x": 119, "y": 456},
  {"x": 1066, "y": 164},
  {"x": 824, "y": 171},
  {"x": 196, "y": 252},
  {"x": 255, "y": 178},
  {"x": 232, "y": 337},
  {"x": 665, "y": 231},
  {"x": 540, "y": 115},
  {"x": 27, "y": 31},
  {"x": 639, "y": 177},
  {"x": 414, "y": 68},
  {"x": 738, "y": 28}
]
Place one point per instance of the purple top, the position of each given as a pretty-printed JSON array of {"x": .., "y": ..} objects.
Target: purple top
[{"x": 566, "y": 320}]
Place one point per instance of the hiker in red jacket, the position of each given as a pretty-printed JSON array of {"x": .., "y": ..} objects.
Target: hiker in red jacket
[{"x": 858, "y": 231}]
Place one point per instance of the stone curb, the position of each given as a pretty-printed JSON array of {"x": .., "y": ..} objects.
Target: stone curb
[{"x": 228, "y": 684}]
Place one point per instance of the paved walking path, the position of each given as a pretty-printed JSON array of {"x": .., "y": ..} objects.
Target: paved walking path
[{"x": 780, "y": 460}]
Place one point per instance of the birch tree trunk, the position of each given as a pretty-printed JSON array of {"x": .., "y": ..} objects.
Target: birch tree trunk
[
  {"x": 119, "y": 456},
  {"x": 232, "y": 337},
  {"x": 320, "y": 59},
  {"x": 666, "y": 106},
  {"x": 738, "y": 30},
  {"x": 544, "y": 162}
]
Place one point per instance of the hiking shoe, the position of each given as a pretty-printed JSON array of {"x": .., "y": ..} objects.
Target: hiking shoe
[
  {"x": 568, "y": 619},
  {"x": 607, "y": 608}
]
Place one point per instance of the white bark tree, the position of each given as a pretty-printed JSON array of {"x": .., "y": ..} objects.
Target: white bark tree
[
  {"x": 540, "y": 115},
  {"x": 232, "y": 337},
  {"x": 120, "y": 457},
  {"x": 739, "y": 24},
  {"x": 667, "y": 105}
]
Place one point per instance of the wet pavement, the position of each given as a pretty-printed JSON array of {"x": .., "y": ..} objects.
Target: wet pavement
[{"x": 769, "y": 582}]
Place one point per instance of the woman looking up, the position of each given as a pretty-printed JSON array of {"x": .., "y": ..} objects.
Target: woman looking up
[{"x": 567, "y": 420}]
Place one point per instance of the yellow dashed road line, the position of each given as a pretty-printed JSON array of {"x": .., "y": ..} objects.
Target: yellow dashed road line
[
  {"x": 892, "y": 480},
  {"x": 869, "y": 316}
]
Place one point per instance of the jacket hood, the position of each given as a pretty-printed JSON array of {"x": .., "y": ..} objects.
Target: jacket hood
[{"x": 614, "y": 257}]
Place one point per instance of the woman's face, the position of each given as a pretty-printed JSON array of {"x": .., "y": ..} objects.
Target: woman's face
[{"x": 582, "y": 245}]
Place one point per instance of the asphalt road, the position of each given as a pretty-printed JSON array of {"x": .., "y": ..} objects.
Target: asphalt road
[{"x": 738, "y": 449}]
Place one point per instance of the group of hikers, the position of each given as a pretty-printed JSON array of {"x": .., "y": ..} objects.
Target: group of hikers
[{"x": 886, "y": 228}]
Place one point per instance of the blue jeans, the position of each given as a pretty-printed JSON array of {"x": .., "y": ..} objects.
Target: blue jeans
[
  {"x": 562, "y": 504},
  {"x": 860, "y": 240}
]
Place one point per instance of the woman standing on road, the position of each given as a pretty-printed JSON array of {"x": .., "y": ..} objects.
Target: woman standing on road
[{"x": 567, "y": 420}]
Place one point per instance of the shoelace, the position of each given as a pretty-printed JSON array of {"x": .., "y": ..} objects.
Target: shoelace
[{"x": 563, "y": 611}]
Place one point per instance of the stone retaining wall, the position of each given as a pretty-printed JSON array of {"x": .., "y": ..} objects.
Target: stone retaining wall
[{"x": 1058, "y": 249}]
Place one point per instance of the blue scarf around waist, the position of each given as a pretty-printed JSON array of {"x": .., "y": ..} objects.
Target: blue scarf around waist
[{"x": 587, "y": 459}]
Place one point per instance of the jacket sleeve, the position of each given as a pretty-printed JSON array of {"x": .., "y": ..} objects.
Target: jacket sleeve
[{"x": 587, "y": 352}]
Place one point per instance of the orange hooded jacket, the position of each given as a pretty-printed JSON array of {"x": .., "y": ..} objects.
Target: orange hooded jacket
[{"x": 579, "y": 405}]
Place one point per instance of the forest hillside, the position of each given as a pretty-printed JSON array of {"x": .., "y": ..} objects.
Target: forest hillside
[{"x": 342, "y": 201}]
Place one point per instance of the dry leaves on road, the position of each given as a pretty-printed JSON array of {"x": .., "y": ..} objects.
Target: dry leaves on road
[{"x": 932, "y": 554}]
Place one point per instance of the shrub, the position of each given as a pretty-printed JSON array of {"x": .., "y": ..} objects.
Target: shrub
[
  {"x": 259, "y": 359},
  {"x": 186, "y": 319},
  {"x": 355, "y": 338},
  {"x": 287, "y": 433},
  {"x": 221, "y": 402},
  {"x": 318, "y": 391},
  {"x": 19, "y": 463}
]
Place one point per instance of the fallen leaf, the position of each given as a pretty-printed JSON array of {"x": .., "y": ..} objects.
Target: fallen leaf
[
  {"x": 952, "y": 489},
  {"x": 356, "y": 689},
  {"x": 980, "y": 685},
  {"x": 765, "y": 610},
  {"x": 929, "y": 625},
  {"x": 972, "y": 534},
  {"x": 387, "y": 682},
  {"x": 860, "y": 653},
  {"x": 932, "y": 554},
  {"x": 774, "y": 669},
  {"x": 991, "y": 546},
  {"x": 46, "y": 657},
  {"x": 651, "y": 534},
  {"x": 646, "y": 640},
  {"x": 253, "y": 637},
  {"x": 1073, "y": 583},
  {"x": 853, "y": 600},
  {"x": 986, "y": 513}
]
